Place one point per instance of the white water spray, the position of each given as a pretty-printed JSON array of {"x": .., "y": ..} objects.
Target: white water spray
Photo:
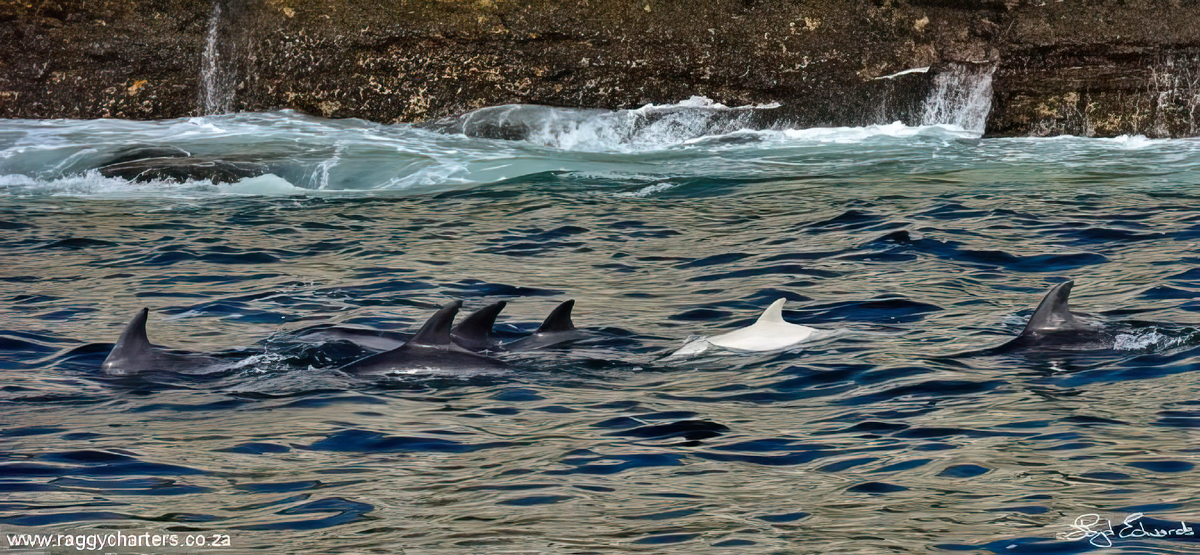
[
  {"x": 962, "y": 96},
  {"x": 650, "y": 127},
  {"x": 216, "y": 96}
]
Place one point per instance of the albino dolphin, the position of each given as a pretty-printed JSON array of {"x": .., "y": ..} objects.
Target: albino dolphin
[{"x": 770, "y": 333}]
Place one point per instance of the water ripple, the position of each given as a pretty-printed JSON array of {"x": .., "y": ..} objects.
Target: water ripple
[{"x": 899, "y": 432}]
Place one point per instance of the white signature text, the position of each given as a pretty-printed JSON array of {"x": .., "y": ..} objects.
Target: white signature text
[{"x": 1100, "y": 532}]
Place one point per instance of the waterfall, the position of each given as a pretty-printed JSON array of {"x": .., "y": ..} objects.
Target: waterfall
[
  {"x": 962, "y": 96},
  {"x": 216, "y": 90}
]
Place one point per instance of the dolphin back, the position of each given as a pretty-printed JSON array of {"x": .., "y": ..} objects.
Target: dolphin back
[
  {"x": 132, "y": 347},
  {"x": 432, "y": 347},
  {"x": 559, "y": 319},
  {"x": 436, "y": 330},
  {"x": 556, "y": 329},
  {"x": 133, "y": 354},
  {"x": 475, "y": 332},
  {"x": 1054, "y": 313}
]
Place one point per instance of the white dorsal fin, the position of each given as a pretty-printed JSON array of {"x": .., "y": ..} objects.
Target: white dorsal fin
[
  {"x": 773, "y": 314},
  {"x": 770, "y": 333}
]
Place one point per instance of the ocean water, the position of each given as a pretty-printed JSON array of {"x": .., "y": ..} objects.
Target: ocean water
[{"x": 918, "y": 248}]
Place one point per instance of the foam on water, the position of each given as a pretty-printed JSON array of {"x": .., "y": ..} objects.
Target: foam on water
[
  {"x": 651, "y": 127},
  {"x": 302, "y": 154},
  {"x": 1134, "y": 142},
  {"x": 1151, "y": 340},
  {"x": 258, "y": 363},
  {"x": 895, "y": 130},
  {"x": 696, "y": 121},
  {"x": 647, "y": 190},
  {"x": 268, "y": 184},
  {"x": 92, "y": 184}
]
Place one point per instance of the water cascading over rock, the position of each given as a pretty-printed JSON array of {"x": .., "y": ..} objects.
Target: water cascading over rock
[
  {"x": 217, "y": 72},
  {"x": 961, "y": 96}
]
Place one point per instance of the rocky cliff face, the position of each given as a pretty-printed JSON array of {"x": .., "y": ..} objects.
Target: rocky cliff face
[{"x": 1065, "y": 66}]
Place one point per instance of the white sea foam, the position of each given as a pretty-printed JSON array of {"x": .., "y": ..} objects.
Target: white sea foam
[
  {"x": 859, "y": 134},
  {"x": 642, "y": 149},
  {"x": 647, "y": 190},
  {"x": 259, "y": 361},
  {"x": 1130, "y": 342},
  {"x": 1133, "y": 142},
  {"x": 92, "y": 184},
  {"x": 693, "y": 346},
  {"x": 263, "y": 185},
  {"x": 651, "y": 127}
]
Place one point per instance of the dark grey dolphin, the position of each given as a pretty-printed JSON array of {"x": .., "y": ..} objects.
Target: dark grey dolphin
[
  {"x": 133, "y": 354},
  {"x": 474, "y": 333},
  {"x": 430, "y": 348},
  {"x": 1053, "y": 326},
  {"x": 557, "y": 328},
  {"x": 371, "y": 340}
]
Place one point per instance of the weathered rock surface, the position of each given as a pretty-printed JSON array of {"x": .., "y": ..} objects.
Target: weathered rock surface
[
  {"x": 1080, "y": 67},
  {"x": 180, "y": 168}
]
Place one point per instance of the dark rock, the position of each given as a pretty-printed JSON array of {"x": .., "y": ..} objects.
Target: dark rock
[
  {"x": 148, "y": 163},
  {"x": 1092, "y": 67},
  {"x": 145, "y": 152},
  {"x": 523, "y": 122},
  {"x": 184, "y": 169}
]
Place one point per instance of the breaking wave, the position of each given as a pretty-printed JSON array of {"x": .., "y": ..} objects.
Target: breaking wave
[{"x": 658, "y": 146}]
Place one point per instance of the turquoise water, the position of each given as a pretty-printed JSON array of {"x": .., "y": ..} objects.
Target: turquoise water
[{"x": 916, "y": 246}]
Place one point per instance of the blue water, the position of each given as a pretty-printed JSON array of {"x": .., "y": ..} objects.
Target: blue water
[{"x": 917, "y": 246}]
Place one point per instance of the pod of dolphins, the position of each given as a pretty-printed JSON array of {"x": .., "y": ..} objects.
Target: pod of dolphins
[{"x": 442, "y": 345}]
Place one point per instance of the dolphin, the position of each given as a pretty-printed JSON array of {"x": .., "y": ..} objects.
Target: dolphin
[
  {"x": 556, "y": 329},
  {"x": 371, "y": 340},
  {"x": 1054, "y": 326},
  {"x": 474, "y": 333},
  {"x": 133, "y": 353},
  {"x": 431, "y": 347},
  {"x": 770, "y": 333}
]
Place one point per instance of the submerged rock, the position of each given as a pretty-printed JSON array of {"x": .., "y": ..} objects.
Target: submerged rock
[
  {"x": 184, "y": 169},
  {"x": 175, "y": 164}
]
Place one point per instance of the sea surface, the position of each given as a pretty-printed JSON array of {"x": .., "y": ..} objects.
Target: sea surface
[{"x": 919, "y": 247}]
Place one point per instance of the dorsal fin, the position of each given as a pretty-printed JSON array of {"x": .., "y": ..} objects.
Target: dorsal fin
[
  {"x": 773, "y": 314},
  {"x": 436, "y": 330},
  {"x": 1053, "y": 314},
  {"x": 133, "y": 343},
  {"x": 477, "y": 328},
  {"x": 559, "y": 319}
]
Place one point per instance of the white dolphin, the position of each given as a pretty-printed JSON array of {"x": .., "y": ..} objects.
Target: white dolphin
[{"x": 770, "y": 333}]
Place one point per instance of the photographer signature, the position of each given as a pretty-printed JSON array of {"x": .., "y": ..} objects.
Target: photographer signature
[{"x": 1099, "y": 531}]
